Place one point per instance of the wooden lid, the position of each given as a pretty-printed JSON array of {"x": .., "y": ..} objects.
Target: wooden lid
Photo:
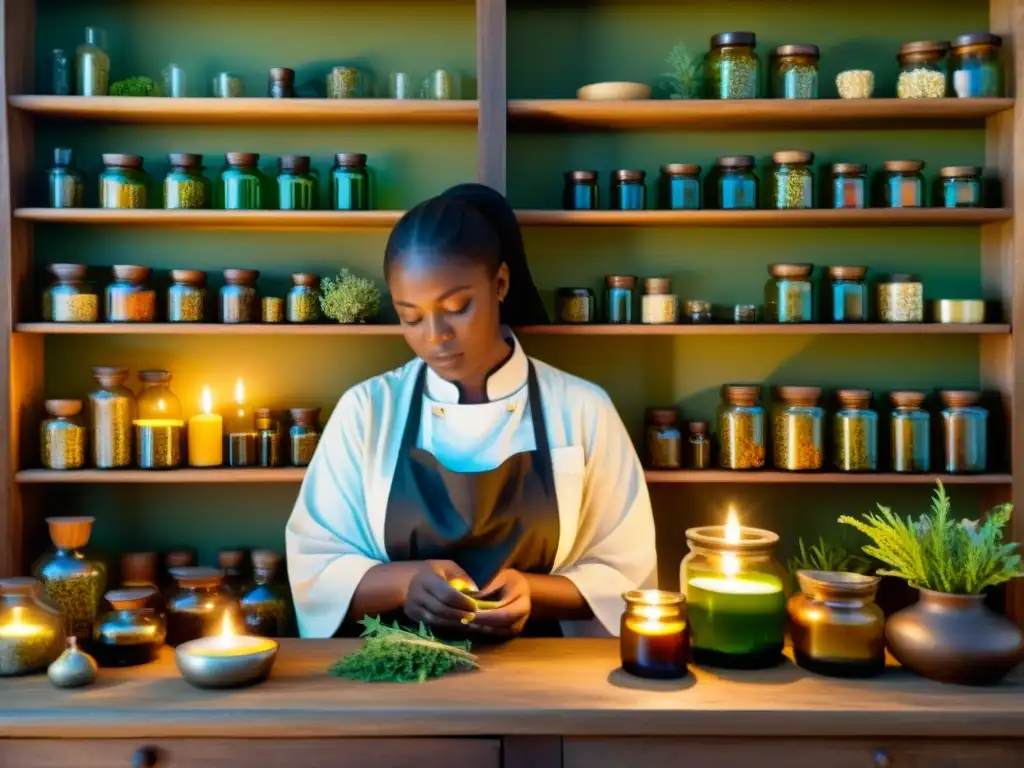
[
  {"x": 657, "y": 285},
  {"x": 621, "y": 281},
  {"x": 63, "y": 408},
  {"x": 797, "y": 49},
  {"x": 307, "y": 279},
  {"x": 906, "y": 398},
  {"x": 662, "y": 417},
  {"x": 241, "y": 158},
  {"x": 847, "y": 273},
  {"x": 350, "y": 159},
  {"x": 977, "y": 38},
  {"x": 154, "y": 377},
  {"x": 837, "y": 585},
  {"x": 790, "y": 270},
  {"x": 584, "y": 176},
  {"x": 122, "y": 161},
  {"x": 179, "y": 558},
  {"x": 960, "y": 398},
  {"x": 854, "y": 398},
  {"x": 953, "y": 171},
  {"x": 793, "y": 157},
  {"x": 130, "y": 599},
  {"x": 230, "y": 559},
  {"x": 305, "y": 417},
  {"x": 852, "y": 169},
  {"x": 629, "y": 175},
  {"x": 698, "y": 427},
  {"x": 265, "y": 413},
  {"x": 294, "y": 163},
  {"x": 188, "y": 276},
  {"x": 799, "y": 395},
  {"x": 69, "y": 273},
  {"x": 282, "y": 75},
  {"x": 194, "y": 576},
  {"x": 241, "y": 276},
  {"x": 903, "y": 166},
  {"x": 130, "y": 273},
  {"x": 139, "y": 568},
  {"x": 741, "y": 394},
  {"x": 735, "y": 161},
  {"x": 110, "y": 375},
  {"x": 70, "y": 532},
  {"x": 923, "y": 49},
  {"x": 185, "y": 160},
  {"x": 681, "y": 169}
]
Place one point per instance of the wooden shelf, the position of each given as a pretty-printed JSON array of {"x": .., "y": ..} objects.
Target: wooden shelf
[
  {"x": 875, "y": 217},
  {"x": 818, "y": 478},
  {"x": 259, "y": 111},
  {"x": 170, "y": 476},
  {"x": 745, "y": 115},
  {"x": 248, "y": 220}
]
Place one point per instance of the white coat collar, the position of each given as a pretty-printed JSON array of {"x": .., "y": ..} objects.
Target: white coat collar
[{"x": 504, "y": 382}]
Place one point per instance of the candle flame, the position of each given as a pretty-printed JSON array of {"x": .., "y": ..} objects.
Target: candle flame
[
  {"x": 730, "y": 564},
  {"x": 239, "y": 392},
  {"x": 207, "y": 400},
  {"x": 227, "y": 627},
  {"x": 160, "y": 405},
  {"x": 733, "y": 534}
]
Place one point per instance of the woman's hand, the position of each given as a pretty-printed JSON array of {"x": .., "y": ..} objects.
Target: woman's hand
[
  {"x": 432, "y": 600},
  {"x": 512, "y": 590}
]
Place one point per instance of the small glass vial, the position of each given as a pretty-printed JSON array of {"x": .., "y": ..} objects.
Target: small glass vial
[
  {"x": 227, "y": 86},
  {"x": 788, "y": 294},
  {"x": 856, "y": 432},
  {"x": 281, "y": 83},
  {"x": 911, "y": 432},
  {"x": 401, "y": 86},
  {"x": 679, "y": 187},
  {"x": 975, "y": 69},
  {"x": 741, "y": 428},
  {"x": 63, "y": 436},
  {"x": 186, "y": 298},
  {"x": 112, "y": 412},
  {"x": 65, "y": 184},
  {"x": 659, "y": 306},
  {"x": 848, "y": 292},
  {"x": 265, "y": 604},
  {"x": 241, "y": 183},
  {"x": 92, "y": 64},
  {"x": 132, "y": 633},
  {"x": 129, "y": 300},
  {"x": 304, "y": 298},
  {"x": 575, "y": 306},
  {"x": 239, "y": 298},
  {"x": 698, "y": 446},
  {"x": 185, "y": 187},
  {"x": 964, "y": 432},
  {"x": 628, "y": 191},
  {"x": 60, "y": 72},
  {"x": 175, "y": 81},
  {"x": 901, "y": 299},
  {"x": 653, "y": 640},
  {"x": 732, "y": 69},
  {"x": 71, "y": 299},
  {"x": 794, "y": 72},
  {"x": 792, "y": 182},
  {"x": 197, "y": 607},
  {"x": 350, "y": 182},
  {"x": 798, "y": 429},
  {"x": 441, "y": 84},
  {"x": 269, "y": 438},
  {"x": 618, "y": 306},
  {"x": 581, "y": 191},
  {"x": 303, "y": 435},
  {"x": 272, "y": 309},
  {"x": 697, "y": 311},
  {"x": 664, "y": 439},
  {"x": 733, "y": 185},
  {"x": 848, "y": 186},
  {"x": 961, "y": 186},
  {"x": 922, "y": 70},
  {"x": 296, "y": 184},
  {"x": 123, "y": 182},
  {"x": 744, "y": 313},
  {"x": 903, "y": 184}
]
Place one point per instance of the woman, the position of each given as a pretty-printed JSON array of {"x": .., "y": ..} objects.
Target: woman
[{"x": 471, "y": 462}]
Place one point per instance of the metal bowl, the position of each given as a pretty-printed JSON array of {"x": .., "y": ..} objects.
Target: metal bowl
[{"x": 226, "y": 662}]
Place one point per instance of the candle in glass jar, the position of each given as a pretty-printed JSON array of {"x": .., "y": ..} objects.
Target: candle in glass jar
[
  {"x": 653, "y": 640},
  {"x": 206, "y": 436}
]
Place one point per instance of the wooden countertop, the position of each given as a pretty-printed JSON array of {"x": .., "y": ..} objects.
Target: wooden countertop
[{"x": 553, "y": 687}]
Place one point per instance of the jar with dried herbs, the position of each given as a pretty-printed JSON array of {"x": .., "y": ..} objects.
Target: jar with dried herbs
[
  {"x": 296, "y": 184},
  {"x": 72, "y": 579},
  {"x": 265, "y": 605},
  {"x": 241, "y": 186},
  {"x": 698, "y": 446},
  {"x": 628, "y": 191},
  {"x": 31, "y": 631},
  {"x": 185, "y": 187},
  {"x": 344, "y": 83},
  {"x": 794, "y": 72},
  {"x": 961, "y": 186},
  {"x": 922, "y": 70},
  {"x": 901, "y": 299},
  {"x": 792, "y": 182},
  {"x": 975, "y": 69},
  {"x": 131, "y": 633},
  {"x": 856, "y": 432},
  {"x": 664, "y": 439},
  {"x": 71, "y": 299},
  {"x": 269, "y": 438},
  {"x": 903, "y": 184},
  {"x": 129, "y": 300},
  {"x": 798, "y": 429},
  {"x": 741, "y": 428},
  {"x": 272, "y": 309},
  {"x": 304, "y": 298},
  {"x": 186, "y": 298},
  {"x": 732, "y": 69},
  {"x": 848, "y": 293},
  {"x": 111, "y": 415},
  {"x": 198, "y": 604},
  {"x": 303, "y": 435},
  {"x": 575, "y": 305},
  {"x": 63, "y": 435},
  {"x": 239, "y": 298},
  {"x": 733, "y": 185},
  {"x": 788, "y": 294},
  {"x": 964, "y": 431},
  {"x": 911, "y": 432},
  {"x": 159, "y": 423},
  {"x": 659, "y": 306},
  {"x": 679, "y": 187},
  {"x": 848, "y": 185},
  {"x": 65, "y": 184},
  {"x": 123, "y": 182}
]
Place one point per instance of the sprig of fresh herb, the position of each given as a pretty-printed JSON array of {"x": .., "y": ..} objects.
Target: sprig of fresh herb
[
  {"x": 686, "y": 76},
  {"x": 828, "y": 555}
]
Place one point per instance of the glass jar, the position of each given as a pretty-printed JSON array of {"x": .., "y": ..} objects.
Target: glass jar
[
  {"x": 699, "y": 446},
  {"x": 61, "y": 70},
  {"x": 659, "y": 306},
  {"x": 231, "y": 563},
  {"x": 848, "y": 292},
  {"x": 128, "y": 298},
  {"x": 72, "y": 580},
  {"x": 911, "y": 432},
  {"x": 618, "y": 306},
  {"x": 741, "y": 430},
  {"x": 197, "y": 607},
  {"x": 628, "y": 192},
  {"x": 296, "y": 184},
  {"x": 350, "y": 182},
  {"x": 269, "y": 438},
  {"x": 71, "y": 299},
  {"x": 304, "y": 298},
  {"x": 732, "y": 69},
  {"x": 679, "y": 187},
  {"x": 789, "y": 294},
  {"x": 856, "y": 432},
  {"x": 575, "y": 305},
  {"x": 733, "y": 186},
  {"x": 123, "y": 182},
  {"x": 581, "y": 191},
  {"x": 836, "y": 628},
  {"x": 744, "y": 313},
  {"x": 265, "y": 605},
  {"x": 303, "y": 435},
  {"x": 975, "y": 69},
  {"x": 239, "y": 298},
  {"x": 798, "y": 429},
  {"x": 272, "y": 309},
  {"x": 92, "y": 65},
  {"x": 63, "y": 436},
  {"x": 697, "y": 312},
  {"x": 281, "y": 83},
  {"x": 792, "y": 182},
  {"x": 903, "y": 184},
  {"x": 227, "y": 86},
  {"x": 132, "y": 633},
  {"x": 961, "y": 186},
  {"x": 901, "y": 299},
  {"x": 964, "y": 431},
  {"x": 735, "y": 596},
  {"x": 176, "y": 84},
  {"x": 65, "y": 184},
  {"x": 158, "y": 427},
  {"x": 185, "y": 187},
  {"x": 186, "y": 298},
  {"x": 241, "y": 183},
  {"x": 922, "y": 70},
  {"x": 848, "y": 185},
  {"x": 664, "y": 439},
  {"x": 112, "y": 412},
  {"x": 344, "y": 83},
  {"x": 441, "y": 84},
  {"x": 653, "y": 641},
  {"x": 794, "y": 72},
  {"x": 31, "y": 631}
]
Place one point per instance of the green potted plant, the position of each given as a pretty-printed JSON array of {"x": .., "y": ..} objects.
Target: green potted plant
[
  {"x": 347, "y": 298},
  {"x": 949, "y": 634}
]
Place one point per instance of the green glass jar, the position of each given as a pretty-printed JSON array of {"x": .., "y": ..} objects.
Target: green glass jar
[
  {"x": 732, "y": 185},
  {"x": 792, "y": 182},
  {"x": 123, "y": 182},
  {"x": 65, "y": 184},
  {"x": 185, "y": 187},
  {"x": 350, "y": 182},
  {"x": 296, "y": 184},
  {"x": 960, "y": 186},
  {"x": 788, "y": 294},
  {"x": 241, "y": 183},
  {"x": 679, "y": 187},
  {"x": 848, "y": 185},
  {"x": 903, "y": 184},
  {"x": 975, "y": 71},
  {"x": 304, "y": 298},
  {"x": 794, "y": 72},
  {"x": 731, "y": 68}
]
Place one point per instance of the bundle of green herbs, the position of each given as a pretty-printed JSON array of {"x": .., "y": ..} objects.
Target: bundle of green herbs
[
  {"x": 938, "y": 553},
  {"x": 349, "y": 299},
  {"x": 135, "y": 86},
  {"x": 686, "y": 78},
  {"x": 828, "y": 555},
  {"x": 393, "y": 654}
]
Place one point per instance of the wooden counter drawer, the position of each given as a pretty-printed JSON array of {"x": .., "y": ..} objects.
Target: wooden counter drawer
[
  {"x": 793, "y": 753},
  {"x": 250, "y": 753}
]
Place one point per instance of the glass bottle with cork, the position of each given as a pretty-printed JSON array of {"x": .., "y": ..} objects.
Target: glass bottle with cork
[
  {"x": 848, "y": 294},
  {"x": 798, "y": 429},
  {"x": 659, "y": 306},
  {"x": 112, "y": 412},
  {"x": 269, "y": 438},
  {"x": 911, "y": 432},
  {"x": 123, "y": 182},
  {"x": 304, "y": 298},
  {"x": 72, "y": 580},
  {"x": 71, "y": 299},
  {"x": 856, "y": 432},
  {"x": 698, "y": 445},
  {"x": 266, "y": 608},
  {"x": 303, "y": 435},
  {"x": 296, "y": 184},
  {"x": 242, "y": 184},
  {"x": 158, "y": 427},
  {"x": 92, "y": 64},
  {"x": 350, "y": 182},
  {"x": 964, "y": 431},
  {"x": 132, "y": 633},
  {"x": 239, "y": 298},
  {"x": 65, "y": 183},
  {"x": 129, "y": 299},
  {"x": 789, "y": 294},
  {"x": 664, "y": 439},
  {"x": 63, "y": 436},
  {"x": 186, "y": 298},
  {"x": 618, "y": 306},
  {"x": 741, "y": 427}
]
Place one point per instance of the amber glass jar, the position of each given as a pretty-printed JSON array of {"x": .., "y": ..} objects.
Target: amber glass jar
[
  {"x": 798, "y": 429},
  {"x": 789, "y": 294},
  {"x": 922, "y": 70},
  {"x": 72, "y": 579},
  {"x": 304, "y": 298},
  {"x": 129, "y": 299},
  {"x": 239, "y": 298},
  {"x": 231, "y": 563},
  {"x": 964, "y": 431},
  {"x": 140, "y": 570},
  {"x": 71, "y": 299},
  {"x": 197, "y": 607},
  {"x": 123, "y": 182},
  {"x": 132, "y": 633},
  {"x": 31, "y": 631},
  {"x": 794, "y": 72},
  {"x": 186, "y": 298},
  {"x": 159, "y": 423},
  {"x": 63, "y": 436},
  {"x": 266, "y": 608},
  {"x": 848, "y": 186},
  {"x": 653, "y": 641},
  {"x": 975, "y": 69},
  {"x": 903, "y": 184},
  {"x": 732, "y": 70},
  {"x": 303, "y": 436},
  {"x": 111, "y": 415},
  {"x": 911, "y": 432},
  {"x": 741, "y": 427},
  {"x": 581, "y": 192},
  {"x": 664, "y": 439},
  {"x": 856, "y": 432},
  {"x": 699, "y": 445},
  {"x": 185, "y": 187}
]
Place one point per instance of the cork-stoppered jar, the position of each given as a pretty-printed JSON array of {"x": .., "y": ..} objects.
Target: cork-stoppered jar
[
  {"x": 733, "y": 185},
  {"x": 304, "y": 298},
  {"x": 903, "y": 184},
  {"x": 664, "y": 439},
  {"x": 922, "y": 70},
  {"x": 581, "y": 191},
  {"x": 197, "y": 606},
  {"x": 732, "y": 68},
  {"x": 910, "y": 432},
  {"x": 789, "y": 294},
  {"x": 63, "y": 436},
  {"x": 186, "y": 298},
  {"x": 241, "y": 186},
  {"x": 794, "y": 72},
  {"x": 848, "y": 186},
  {"x": 741, "y": 427},
  {"x": 159, "y": 423},
  {"x": 71, "y": 299},
  {"x": 185, "y": 186},
  {"x": 848, "y": 294},
  {"x": 132, "y": 633},
  {"x": 798, "y": 429},
  {"x": 679, "y": 187},
  {"x": 659, "y": 306},
  {"x": 964, "y": 431},
  {"x": 266, "y": 607},
  {"x": 269, "y": 438},
  {"x": 618, "y": 299},
  {"x": 856, "y": 432},
  {"x": 296, "y": 184},
  {"x": 792, "y": 181},
  {"x": 31, "y": 631},
  {"x": 961, "y": 186},
  {"x": 239, "y": 298},
  {"x": 698, "y": 445},
  {"x": 231, "y": 563},
  {"x": 129, "y": 299},
  {"x": 975, "y": 69},
  {"x": 112, "y": 413},
  {"x": 350, "y": 182},
  {"x": 65, "y": 183},
  {"x": 303, "y": 435},
  {"x": 123, "y": 182},
  {"x": 901, "y": 299},
  {"x": 72, "y": 580},
  {"x": 628, "y": 190}
]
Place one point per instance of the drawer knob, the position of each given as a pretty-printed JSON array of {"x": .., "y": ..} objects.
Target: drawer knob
[
  {"x": 146, "y": 757},
  {"x": 881, "y": 759}
]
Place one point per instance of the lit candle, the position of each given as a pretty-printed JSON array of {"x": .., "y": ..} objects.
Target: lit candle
[
  {"x": 17, "y": 628},
  {"x": 241, "y": 438},
  {"x": 241, "y": 420},
  {"x": 206, "y": 435},
  {"x": 653, "y": 641},
  {"x": 226, "y": 660}
]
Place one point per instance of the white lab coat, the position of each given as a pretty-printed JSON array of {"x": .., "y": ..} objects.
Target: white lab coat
[{"x": 606, "y": 529}]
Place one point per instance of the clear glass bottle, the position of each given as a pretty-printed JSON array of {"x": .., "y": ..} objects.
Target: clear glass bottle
[
  {"x": 789, "y": 294},
  {"x": 733, "y": 184},
  {"x": 63, "y": 437},
  {"x": 741, "y": 428},
  {"x": 304, "y": 298},
  {"x": 922, "y": 70},
  {"x": 186, "y": 298},
  {"x": 794, "y": 72},
  {"x": 31, "y": 630},
  {"x": 581, "y": 191},
  {"x": 653, "y": 641},
  {"x": 61, "y": 71},
  {"x": 848, "y": 186},
  {"x": 618, "y": 306},
  {"x": 158, "y": 426},
  {"x": 132, "y": 633},
  {"x": 732, "y": 69},
  {"x": 344, "y": 83},
  {"x": 197, "y": 607},
  {"x": 269, "y": 438},
  {"x": 901, "y": 299},
  {"x": 975, "y": 69},
  {"x": 441, "y": 84},
  {"x": 112, "y": 412},
  {"x": 664, "y": 439},
  {"x": 350, "y": 182},
  {"x": 911, "y": 432},
  {"x": 699, "y": 445},
  {"x": 71, "y": 299},
  {"x": 296, "y": 184},
  {"x": 628, "y": 190},
  {"x": 185, "y": 186},
  {"x": 129, "y": 300},
  {"x": 961, "y": 186},
  {"x": 241, "y": 185},
  {"x": 798, "y": 429},
  {"x": 856, "y": 432},
  {"x": 848, "y": 293},
  {"x": 303, "y": 436},
  {"x": 72, "y": 579},
  {"x": 903, "y": 184},
  {"x": 964, "y": 431},
  {"x": 175, "y": 81},
  {"x": 239, "y": 298},
  {"x": 679, "y": 187},
  {"x": 792, "y": 182},
  {"x": 266, "y": 607},
  {"x": 65, "y": 184},
  {"x": 92, "y": 64},
  {"x": 123, "y": 182}
]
